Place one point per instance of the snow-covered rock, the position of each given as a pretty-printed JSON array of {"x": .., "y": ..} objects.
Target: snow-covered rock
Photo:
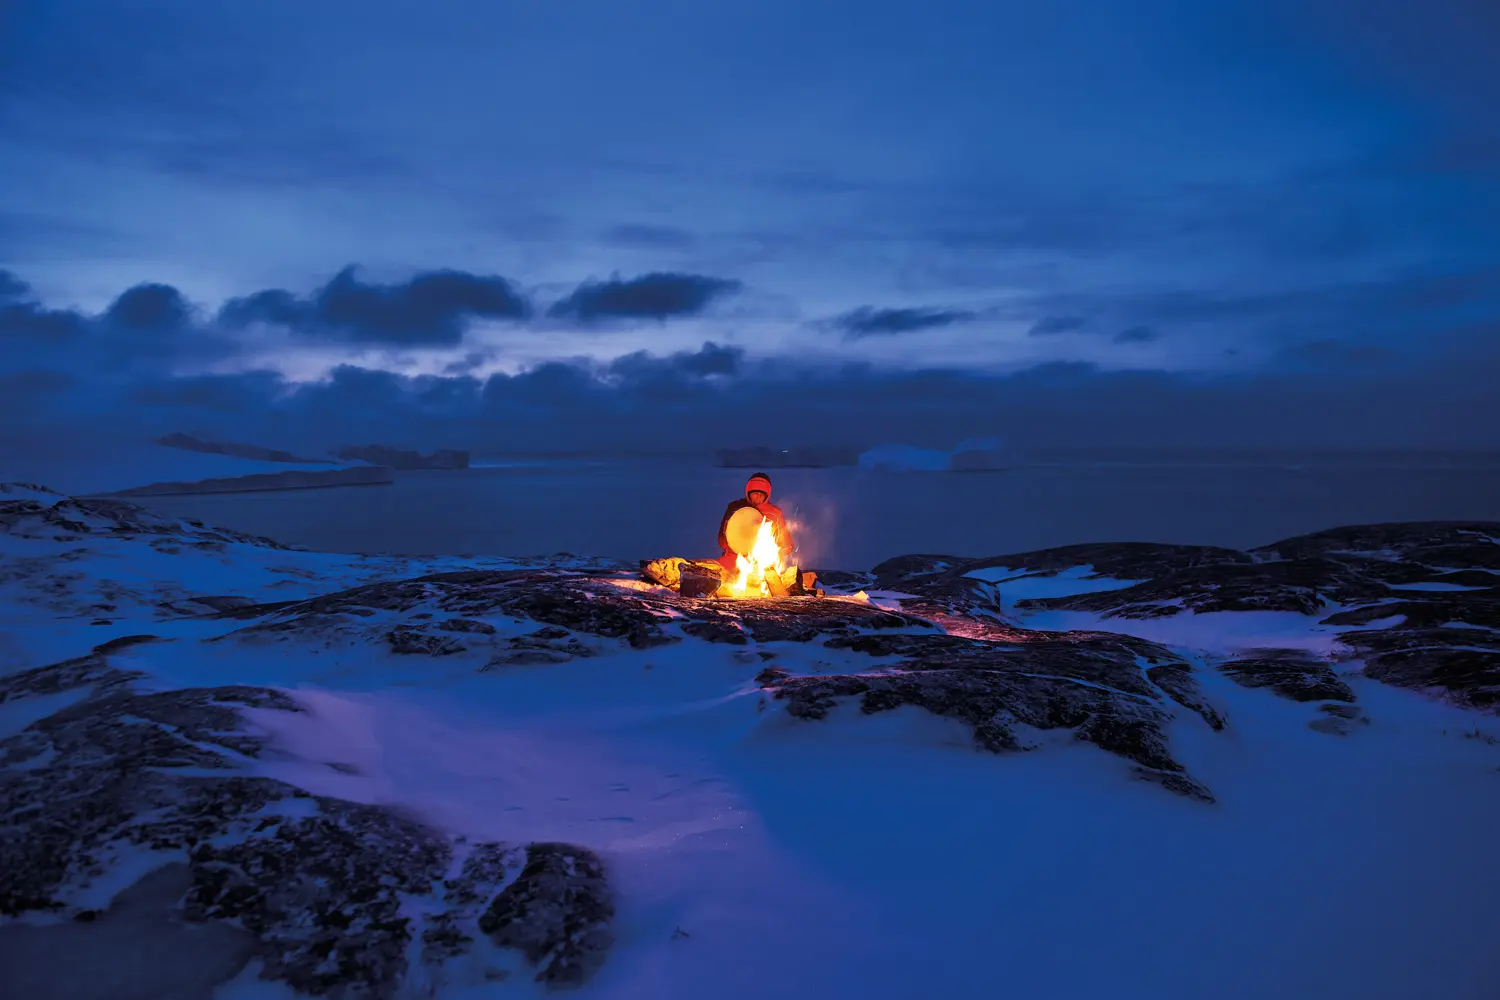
[{"x": 421, "y": 777}]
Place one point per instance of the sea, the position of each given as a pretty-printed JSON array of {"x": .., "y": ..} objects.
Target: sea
[{"x": 849, "y": 518}]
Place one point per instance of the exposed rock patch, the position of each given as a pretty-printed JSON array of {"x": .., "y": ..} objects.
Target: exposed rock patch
[
  {"x": 1463, "y": 664},
  {"x": 1405, "y": 572},
  {"x": 1291, "y": 673},
  {"x": 1338, "y": 720},
  {"x": 1093, "y": 684},
  {"x": 75, "y": 518},
  {"x": 319, "y": 882},
  {"x": 557, "y": 913}
]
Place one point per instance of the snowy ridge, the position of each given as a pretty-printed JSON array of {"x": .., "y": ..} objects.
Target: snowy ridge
[{"x": 338, "y": 775}]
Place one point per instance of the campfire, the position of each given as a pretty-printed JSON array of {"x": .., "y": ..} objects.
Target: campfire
[
  {"x": 760, "y": 574},
  {"x": 761, "y": 570}
]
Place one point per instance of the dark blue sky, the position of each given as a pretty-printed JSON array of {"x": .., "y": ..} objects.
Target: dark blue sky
[{"x": 1277, "y": 217}]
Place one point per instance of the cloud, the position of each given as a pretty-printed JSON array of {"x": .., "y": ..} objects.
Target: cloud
[
  {"x": 649, "y": 237},
  {"x": 659, "y": 296},
  {"x": 13, "y": 288},
  {"x": 1331, "y": 352},
  {"x": 1049, "y": 325},
  {"x": 692, "y": 402},
  {"x": 242, "y": 393},
  {"x": 149, "y": 307},
  {"x": 23, "y": 318},
  {"x": 867, "y": 321},
  {"x": 430, "y": 309},
  {"x": 469, "y": 362},
  {"x": 711, "y": 359},
  {"x": 1136, "y": 335}
]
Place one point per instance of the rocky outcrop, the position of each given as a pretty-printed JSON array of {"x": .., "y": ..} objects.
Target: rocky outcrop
[
  {"x": 1424, "y": 596},
  {"x": 233, "y": 448},
  {"x": 557, "y": 913},
  {"x": 1090, "y": 683},
  {"x": 396, "y": 458},
  {"x": 110, "y": 769},
  {"x": 322, "y": 886},
  {"x": 74, "y": 519},
  {"x": 266, "y": 481},
  {"x": 1291, "y": 673},
  {"x": 1114, "y": 691}
]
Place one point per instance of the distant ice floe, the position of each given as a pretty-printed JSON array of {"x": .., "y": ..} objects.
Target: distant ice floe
[{"x": 972, "y": 455}]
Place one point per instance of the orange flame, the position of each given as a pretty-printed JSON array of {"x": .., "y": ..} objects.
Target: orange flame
[{"x": 765, "y": 557}]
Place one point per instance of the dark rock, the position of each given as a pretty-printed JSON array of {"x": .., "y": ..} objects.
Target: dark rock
[
  {"x": 716, "y": 631},
  {"x": 1291, "y": 673},
  {"x": 93, "y": 670},
  {"x": 1090, "y": 683},
  {"x": 845, "y": 582},
  {"x": 556, "y": 913},
  {"x": 1450, "y": 544},
  {"x": 124, "y": 642},
  {"x": 485, "y": 870},
  {"x": 546, "y": 645},
  {"x": 1461, "y": 663},
  {"x": 526, "y": 658},
  {"x": 75, "y": 518},
  {"x": 700, "y": 580},
  {"x": 411, "y": 642},
  {"x": 322, "y": 884},
  {"x": 902, "y": 572},
  {"x": 138, "y": 947},
  {"x": 1181, "y": 686},
  {"x": 1304, "y": 586},
  {"x": 466, "y": 625},
  {"x": 1115, "y": 560},
  {"x": 323, "y": 894},
  {"x": 209, "y": 604},
  {"x": 1429, "y": 612}
]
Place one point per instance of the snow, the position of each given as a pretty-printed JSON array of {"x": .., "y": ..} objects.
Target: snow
[
  {"x": 1014, "y": 585},
  {"x": 1433, "y": 585},
  {"x": 786, "y": 849},
  {"x": 872, "y": 856},
  {"x": 1219, "y": 633}
]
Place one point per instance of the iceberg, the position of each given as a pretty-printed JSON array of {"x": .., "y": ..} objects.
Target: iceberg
[{"x": 981, "y": 454}]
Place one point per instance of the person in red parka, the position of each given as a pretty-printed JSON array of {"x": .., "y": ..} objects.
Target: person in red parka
[{"x": 757, "y": 495}]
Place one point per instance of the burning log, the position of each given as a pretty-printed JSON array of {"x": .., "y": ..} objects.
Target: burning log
[{"x": 776, "y": 583}]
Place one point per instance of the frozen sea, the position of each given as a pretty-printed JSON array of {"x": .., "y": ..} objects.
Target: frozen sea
[{"x": 851, "y": 518}]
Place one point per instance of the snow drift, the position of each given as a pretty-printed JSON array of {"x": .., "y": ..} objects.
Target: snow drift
[{"x": 1102, "y": 770}]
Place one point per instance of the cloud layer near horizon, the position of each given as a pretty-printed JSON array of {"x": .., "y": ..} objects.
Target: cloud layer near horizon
[{"x": 76, "y": 384}]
